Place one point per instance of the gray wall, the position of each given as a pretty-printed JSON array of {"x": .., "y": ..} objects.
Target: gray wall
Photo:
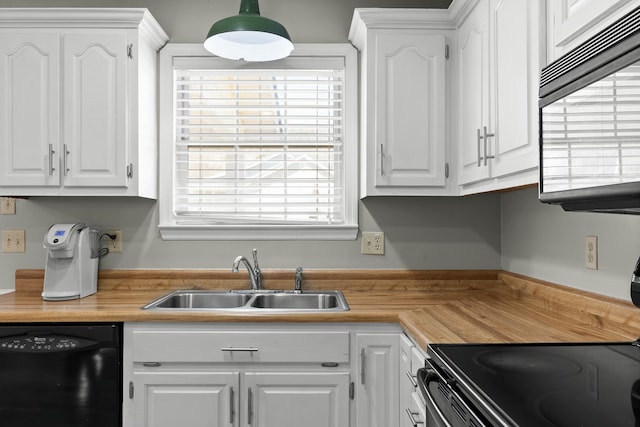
[
  {"x": 544, "y": 242},
  {"x": 421, "y": 233}
]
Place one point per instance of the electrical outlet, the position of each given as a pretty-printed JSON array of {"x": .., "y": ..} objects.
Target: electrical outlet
[
  {"x": 115, "y": 246},
  {"x": 7, "y": 206},
  {"x": 591, "y": 252},
  {"x": 12, "y": 241},
  {"x": 372, "y": 243}
]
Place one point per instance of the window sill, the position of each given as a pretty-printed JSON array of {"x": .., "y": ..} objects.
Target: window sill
[{"x": 257, "y": 232}]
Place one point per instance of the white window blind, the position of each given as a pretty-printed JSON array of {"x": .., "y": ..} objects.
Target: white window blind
[
  {"x": 262, "y": 145},
  {"x": 592, "y": 137}
]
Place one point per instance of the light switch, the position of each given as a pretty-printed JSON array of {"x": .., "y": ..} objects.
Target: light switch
[
  {"x": 13, "y": 241},
  {"x": 7, "y": 206}
]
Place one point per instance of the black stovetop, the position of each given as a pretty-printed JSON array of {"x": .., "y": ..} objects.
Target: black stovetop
[{"x": 562, "y": 385}]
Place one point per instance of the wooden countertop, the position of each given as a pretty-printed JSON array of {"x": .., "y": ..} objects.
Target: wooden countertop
[{"x": 432, "y": 306}]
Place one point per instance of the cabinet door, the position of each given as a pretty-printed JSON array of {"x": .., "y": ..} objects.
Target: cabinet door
[
  {"x": 293, "y": 399},
  {"x": 406, "y": 378},
  {"x": 416, "y": 414},
  {"x": 409, "y": 109},
  {"x": 29, "y": 109},
  {"x": 377, "y": 401},
  {"x": 185, "y": 399},
  {"x": 516, "y": 53},
  {"x": 95, "y": 113},
  {"x": 473, "y": 94}
]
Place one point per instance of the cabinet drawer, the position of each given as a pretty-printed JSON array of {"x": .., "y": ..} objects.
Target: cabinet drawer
[
  {"x": 240, "y": 346},
  {"x": 417, "y": 359}
]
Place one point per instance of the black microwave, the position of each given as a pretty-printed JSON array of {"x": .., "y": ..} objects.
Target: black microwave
[{"x": 590, "y": 123}]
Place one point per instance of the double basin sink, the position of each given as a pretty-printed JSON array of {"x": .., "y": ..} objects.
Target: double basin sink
[{"x": 251, "y": 301}]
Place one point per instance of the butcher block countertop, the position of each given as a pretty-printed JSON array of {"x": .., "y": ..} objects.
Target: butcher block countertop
[{"x": 432, "y": 306}]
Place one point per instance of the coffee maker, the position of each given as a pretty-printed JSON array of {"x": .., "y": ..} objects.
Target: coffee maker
[{"x": 72, "y": 262}]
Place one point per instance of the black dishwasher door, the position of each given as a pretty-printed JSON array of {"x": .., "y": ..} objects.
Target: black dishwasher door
[{"x": 57, "y": 375}]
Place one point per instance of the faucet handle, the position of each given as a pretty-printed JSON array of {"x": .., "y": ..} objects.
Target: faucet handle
[
  {"x": 255, "y": 258},
  {"x": 298, "y": 284}
]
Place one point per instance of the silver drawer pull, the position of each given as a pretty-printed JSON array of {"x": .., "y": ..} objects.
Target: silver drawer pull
[
  {"x": 412, "y": 378},
  {"x": 249, "y": 407},
  {"x": 413, "y": 421},
  {"x": 245, "y": 349},
  {"x": 152, "y": 364}
]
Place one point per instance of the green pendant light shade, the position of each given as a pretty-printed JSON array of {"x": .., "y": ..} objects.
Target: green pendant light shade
[{"x": 249, "y": 36}]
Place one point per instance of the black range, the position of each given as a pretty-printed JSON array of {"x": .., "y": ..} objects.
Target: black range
[{"x": 527, "y": 385}]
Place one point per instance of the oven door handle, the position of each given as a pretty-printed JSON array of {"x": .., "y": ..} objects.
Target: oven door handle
[{"x": 424, "y": 377}]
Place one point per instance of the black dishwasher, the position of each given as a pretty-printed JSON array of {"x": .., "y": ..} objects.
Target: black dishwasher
[{"x": 58, "y": 375}]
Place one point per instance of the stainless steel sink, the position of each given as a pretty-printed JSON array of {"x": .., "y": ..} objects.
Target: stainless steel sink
[
  {"x": 304, "y": 301},
  {"x": 251, "y": 301},
  {"x": 193, "y": 300}
]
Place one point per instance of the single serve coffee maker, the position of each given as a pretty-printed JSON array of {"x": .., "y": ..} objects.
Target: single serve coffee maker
[{"x": 72, "y": 262}]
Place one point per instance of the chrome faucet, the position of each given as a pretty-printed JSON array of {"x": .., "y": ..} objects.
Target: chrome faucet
[
  {"x": 298, "y": 287},
  {"x": 255, "y": 277}
]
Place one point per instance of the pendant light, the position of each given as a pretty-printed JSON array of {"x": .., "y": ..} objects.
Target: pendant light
[{"x": 249, "y": 36}]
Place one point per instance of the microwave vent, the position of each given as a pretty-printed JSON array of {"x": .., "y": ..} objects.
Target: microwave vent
[{"x": 597, "y": 45}]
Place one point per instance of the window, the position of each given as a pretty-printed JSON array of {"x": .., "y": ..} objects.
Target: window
[{"x": 258, "y": 150}]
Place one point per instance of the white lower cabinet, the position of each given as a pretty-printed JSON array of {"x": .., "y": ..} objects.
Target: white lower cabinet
[
  {"x": 257, "y": 375},
  {"x": 292, "y": 399},
  {"x": 377, "y": 400},
  {"x": 171, "y": 398},
  {"x": 406, "y": 376},
  {"x": 412, "y": 410}
]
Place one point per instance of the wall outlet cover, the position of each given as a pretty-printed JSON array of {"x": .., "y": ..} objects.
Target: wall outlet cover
[
  {"x": 372, "y": 243},
  {"x": 591, "y": 252},
  {"x": 115, "y": 246}
]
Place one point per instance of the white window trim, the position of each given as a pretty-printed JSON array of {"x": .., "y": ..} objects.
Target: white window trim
[{"x": 170, "y": 230}]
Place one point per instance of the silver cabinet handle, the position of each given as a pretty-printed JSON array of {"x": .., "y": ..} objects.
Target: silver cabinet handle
[
  {"x": 231, "y": 407},
  {"x": 413, "y": 421},
  {"x": 250, "y": 407},
  {"x": 479, "y": 149},
  {"x": 65, "y": 159},
  {"x": 362, "y": 359},
  {"x": 245, "y": 349},
  {"x": 485, "y": 137},
  {"x": 412, "y": 378},
  {"x": 51, "y": 153},
  {"x": 381, "y": 159},
  {"x": 152, "y": 364}
]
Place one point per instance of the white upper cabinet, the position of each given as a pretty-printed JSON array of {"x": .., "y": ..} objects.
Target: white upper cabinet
[
  {"x": 78, "y": 102},
  {"x": 500, "y": 52},
  {"x": 473, "y": 94},
  {"x": 570, "y": 22},
  {"x": 404, "y": 85},
  {"x": 517, "y": 54},
  {"x": 29, "y": 109},
  {"x": 95, "y": 110}
]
